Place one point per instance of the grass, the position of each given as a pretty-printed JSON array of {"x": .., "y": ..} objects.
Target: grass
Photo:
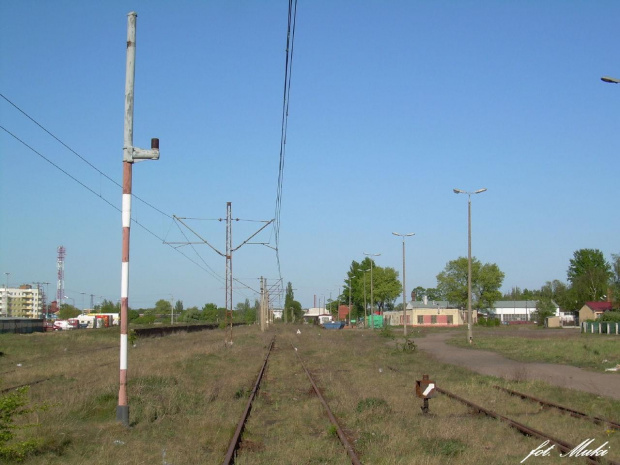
[
  {"x": 187, "y": 392},
  {"x": 590, "y": 351}
]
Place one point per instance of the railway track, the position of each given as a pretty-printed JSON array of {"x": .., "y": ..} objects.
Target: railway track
[
  {"x": 572, "y": 412},
  {"x": 563, "y": 446},
  {"x": 236, "y": 441}
]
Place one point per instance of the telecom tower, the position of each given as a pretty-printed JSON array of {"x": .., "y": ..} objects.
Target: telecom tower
[{"x": 61, "y": 276}]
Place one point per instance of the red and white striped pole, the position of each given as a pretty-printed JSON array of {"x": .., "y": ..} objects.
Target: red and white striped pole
[{"x": 130, "y": 154}]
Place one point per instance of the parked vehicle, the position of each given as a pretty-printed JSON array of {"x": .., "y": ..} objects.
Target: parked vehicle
[
  {"x": 63, "y": 325},
  {"x": 334, "y": 324}
]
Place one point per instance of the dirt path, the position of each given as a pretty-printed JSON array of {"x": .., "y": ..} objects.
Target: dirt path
[{"x": 490, "y": 363}]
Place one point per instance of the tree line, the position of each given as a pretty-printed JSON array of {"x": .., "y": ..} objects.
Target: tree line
[{"x": 590, "y": 277}]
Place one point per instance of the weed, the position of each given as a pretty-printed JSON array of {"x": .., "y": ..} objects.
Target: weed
[
  {"x": 386, "y": 332},
  {"x": 445, "y": 447},
  {"x": 407, "y": 346},
  {"x": 12, "y": 406},
  {"x": 372, "y": 403}
]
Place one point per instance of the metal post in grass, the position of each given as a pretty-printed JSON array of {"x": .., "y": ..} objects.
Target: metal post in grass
[{"x": 131, "y": 154}]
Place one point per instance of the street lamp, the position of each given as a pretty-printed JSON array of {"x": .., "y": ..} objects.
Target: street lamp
[
  {"x": 404, "y": 292},
  {"x": 470, "y": 336},
  {"x": 372, "y": 301},
  {"x": 72, "y": 300},
  {"x": 610, "y": 80}
]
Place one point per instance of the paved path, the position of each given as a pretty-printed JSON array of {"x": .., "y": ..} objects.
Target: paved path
[{"x": 490, "y": 363}]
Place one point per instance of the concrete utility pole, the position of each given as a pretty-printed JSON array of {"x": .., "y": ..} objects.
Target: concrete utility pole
[
  {"x": 131, "y": 154},
  {"x": 470, "y": 336},
  {"x": 404, "y": 292},
  {"x": 262, "y": 304}
]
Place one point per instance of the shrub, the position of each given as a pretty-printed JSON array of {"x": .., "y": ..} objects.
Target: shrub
[
  {"x": 13, "y": 405},
  {"x": 613, "y": 316},
  {"x": 386, "y": 331}
]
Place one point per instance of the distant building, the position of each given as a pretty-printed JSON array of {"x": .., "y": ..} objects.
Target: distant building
[
  {"x": 343, "y": 312},
  {"x": 22, "y": 302},
  {"x": 594, "y": 310},
  {"x": 317, "y": 315},
  {"x": 429, "y": 313},
  {"x": 517, "y": 310}
]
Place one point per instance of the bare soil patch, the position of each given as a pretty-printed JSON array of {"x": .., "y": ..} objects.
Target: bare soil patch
[{"x": 490, "y": 363}]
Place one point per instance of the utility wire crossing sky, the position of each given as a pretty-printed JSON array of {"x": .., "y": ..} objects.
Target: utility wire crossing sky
[{"x": 386, "y": 110}]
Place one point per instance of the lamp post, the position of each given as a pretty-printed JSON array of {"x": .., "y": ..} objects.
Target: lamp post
[
  {"x": 372, "y": 300},
  {"x": 470, "y": 336},
  {"x": 610, "y": 80},
  {"x": 404, "y": 292}
]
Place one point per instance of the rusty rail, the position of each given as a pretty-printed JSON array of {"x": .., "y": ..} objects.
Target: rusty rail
[
  {"x": 343, "y": 439},
  {"x": 562, "y": 445},
  {"x": 234, "y": 443},
  {"x": 572, "y": 412}
]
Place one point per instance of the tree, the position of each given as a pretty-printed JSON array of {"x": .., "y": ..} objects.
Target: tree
[
  {"x": 417, "y": 293},
  {"x": 292, "y": 308},
  {"x": 178, "y": 307},
  {"x": 589, "y": 274},
  {"x": 544, "y": 309},
  {"x": 68, "y": 311},
  {"x": 386, "y": 287},
  {"x": 615, "y": 280},
  {"x": 162, "y": 308},
  {"x": 485, "y": 283},
  {"x": 107, "y": 306},
  {"x": 358, "y": 279},
  {"x": 213, "y": 314},
  {"x": 431, "y": 293}
]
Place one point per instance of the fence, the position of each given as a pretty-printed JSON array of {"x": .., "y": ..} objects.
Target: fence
[
  {"x": 21, "y": 325},
  {"x": 600, "y": 327}
]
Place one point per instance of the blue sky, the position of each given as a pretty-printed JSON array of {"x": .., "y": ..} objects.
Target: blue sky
[{"x": 392, "y": 105}]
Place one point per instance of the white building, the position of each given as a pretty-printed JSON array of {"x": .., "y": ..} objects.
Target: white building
[
  {"x": 318, "y": 315},
  {"x": 21, "y": 302},
  {"x": 517, "y": 310}
]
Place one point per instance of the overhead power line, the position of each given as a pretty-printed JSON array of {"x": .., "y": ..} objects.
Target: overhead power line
[
  {"x": 76, "y": 154},
  {"x": 66, "y": 173},
  {"x": 288, "y": 72}
]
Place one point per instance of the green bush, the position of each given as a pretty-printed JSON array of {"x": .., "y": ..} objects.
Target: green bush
[
  {"x": 490, "y": 321},
  {"x": 14, "y": 404},
  {"x": 386, "y": 331},
  {"x": 613, "y": 316}
]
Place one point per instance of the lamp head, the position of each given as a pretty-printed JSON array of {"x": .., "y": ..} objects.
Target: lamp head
[{"x": 610, "y": 80}]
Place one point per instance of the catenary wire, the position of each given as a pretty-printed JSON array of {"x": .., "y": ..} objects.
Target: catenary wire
[{"x": 215, "y": 275}]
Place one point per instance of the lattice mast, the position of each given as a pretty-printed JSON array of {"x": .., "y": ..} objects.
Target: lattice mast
[{"x": 60, "y": 264}]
